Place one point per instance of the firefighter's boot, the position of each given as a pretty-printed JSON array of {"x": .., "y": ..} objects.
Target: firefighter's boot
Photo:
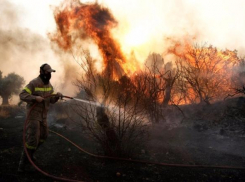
[{"x": 24, "y": 162}]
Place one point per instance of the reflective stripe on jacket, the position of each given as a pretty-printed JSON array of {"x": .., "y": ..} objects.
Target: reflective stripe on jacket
[{"x": 35, "y": 88}]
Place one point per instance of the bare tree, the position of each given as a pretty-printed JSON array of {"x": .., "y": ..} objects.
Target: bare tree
[
  {"x": 155, "y": 83},
  {"x": 205, "y": 73},
  {"x": 170, "y": 77},
  {"x": 117, "y": 121}
]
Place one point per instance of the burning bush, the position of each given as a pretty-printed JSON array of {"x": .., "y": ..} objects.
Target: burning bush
[
  {"x": 200, "y": 73},
  {"x": 131, "y": 95},
  {"x": 154, "y": 84},
  {"x": 119, "y": 124},
  {"x": 205, "y": 72}
]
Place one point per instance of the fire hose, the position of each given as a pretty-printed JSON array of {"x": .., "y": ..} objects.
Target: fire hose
[
  {"x": 105, "y": 157},
  {"x": 27, "y": 154}
]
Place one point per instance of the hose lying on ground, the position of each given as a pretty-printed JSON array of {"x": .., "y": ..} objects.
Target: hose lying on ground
[
  {"x": 145, "y": 162},
  {"x": 27, "y": 154},
  {"x": 108, "y": 157}
]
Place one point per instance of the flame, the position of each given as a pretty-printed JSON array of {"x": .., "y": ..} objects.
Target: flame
[
  {"x": 186, "y": 51},
  {"x": 77, "y": 22},
  {"x": 209, "y": 65}
]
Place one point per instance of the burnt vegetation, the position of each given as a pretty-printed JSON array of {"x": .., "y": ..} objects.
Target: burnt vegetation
[
  {"x": 181, "y": 90},
  {"x": 188, "y": 108},
  {"x": 134, "y": 97},
  {"x": 118, "y": 122}
]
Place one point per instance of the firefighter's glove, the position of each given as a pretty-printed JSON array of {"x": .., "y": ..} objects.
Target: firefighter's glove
[
  {"x": 59, "y": 95},
  {"x": 39, "y": 98}
]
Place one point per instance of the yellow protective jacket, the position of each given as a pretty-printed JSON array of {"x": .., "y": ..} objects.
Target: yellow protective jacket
[{"x": 35, "y": 88}]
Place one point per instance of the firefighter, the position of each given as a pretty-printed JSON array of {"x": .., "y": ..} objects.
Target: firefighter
[{"x": 36, "y": 128}]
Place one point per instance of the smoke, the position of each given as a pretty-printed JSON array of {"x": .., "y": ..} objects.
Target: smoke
[
  {"x": 138, "y": 26},
  {"x": 23, "y": 52},
  {"x": 77, "y": 22},
  {"x": 144, "y": 26}
]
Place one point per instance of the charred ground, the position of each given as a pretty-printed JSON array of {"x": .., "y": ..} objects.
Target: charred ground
[{"x": 205, "y": 135}]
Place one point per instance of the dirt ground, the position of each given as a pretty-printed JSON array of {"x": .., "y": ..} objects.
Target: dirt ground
[{"x": 176, "y": 145}]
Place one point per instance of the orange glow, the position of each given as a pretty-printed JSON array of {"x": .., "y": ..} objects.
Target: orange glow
[
  {"x": 212, "y": 55},
  {"x": 136, "y": 36},
  {"x": 79, "y": 22},
  {"x": 207, "y": 67},
  {"x": 130, "y": 68}
]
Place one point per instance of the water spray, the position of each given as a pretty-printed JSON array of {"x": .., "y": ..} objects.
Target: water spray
[
  {"x": 89, "y": 102},
  {"x": 99, "y": 156},
  {"x": 84, "y": 101}
]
